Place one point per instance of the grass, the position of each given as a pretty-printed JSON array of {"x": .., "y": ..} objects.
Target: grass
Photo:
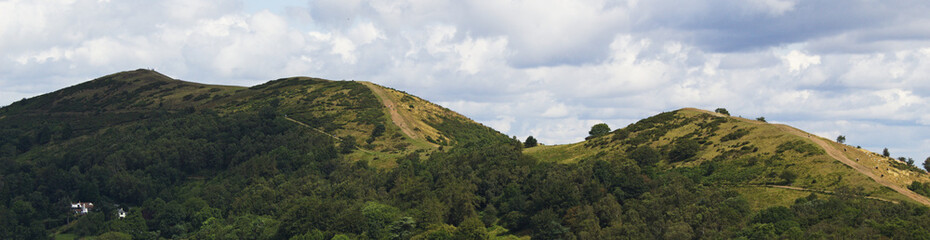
[
  {"x": 745, "y": 152},
  {"x": 566, "y": 153},
  {"x": 66, "y": 236},
  {"x": 130, "y": 90},
  {"x": 872, "y": 160},
  {"x": 761, "y": 197}
]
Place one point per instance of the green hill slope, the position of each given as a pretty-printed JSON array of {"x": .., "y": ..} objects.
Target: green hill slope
[
  {"x": 748, "y": 154},
  {"x": 346, "y": 110}
]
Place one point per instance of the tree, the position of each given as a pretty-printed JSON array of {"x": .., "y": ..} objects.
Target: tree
[
  {"x": 530, "y": 142},
  {"x": 472, "y": 229},
  {"x": 927, "y": 164},
  {"x": 841, "y": 139},
  {"x": 761, "y": 119},
  {"x": 379, "y": 218},
  {"x": 598, "y": 130},
  {"x": 547, "y": 225},
  {"x": 886, "y": 153},
  {"x": 679, "y": 230},
  {"x": 722, "y": 111}
]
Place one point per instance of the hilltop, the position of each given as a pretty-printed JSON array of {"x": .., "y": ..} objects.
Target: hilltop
[
  {"x": 750, "y": 155},
  {"x": 361, "y": 114},
  {"x": 125, "y": 91},
  {"x": 310, "y": 158}
]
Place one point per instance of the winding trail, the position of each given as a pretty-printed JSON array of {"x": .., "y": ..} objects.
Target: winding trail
[
  {"x": 325, "y": 133},
  {"x": 838, "y": 155}
]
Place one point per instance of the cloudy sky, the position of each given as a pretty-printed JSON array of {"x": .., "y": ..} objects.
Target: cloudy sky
[{"x": 546, "y": 68}]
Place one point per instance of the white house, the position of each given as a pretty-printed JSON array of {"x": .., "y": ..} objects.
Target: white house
[
  {"x": 121, "y": 213},
  {"x": 82, "y": 207}
]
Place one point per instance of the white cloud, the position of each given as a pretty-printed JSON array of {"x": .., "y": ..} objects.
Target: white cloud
[
  {"x": 502, "y": 123},
  {"x": 556, "y": 111},
  {"x": 548, "y": 68},
  {"x": 476, "y": 54},
  {"x": 345, "y": 44},
  {"x": 798, "y": 61}
]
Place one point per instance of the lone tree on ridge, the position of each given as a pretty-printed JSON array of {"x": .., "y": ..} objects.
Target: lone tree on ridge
[
  {"x": 598, "y": 130},
  {"x": 530, "y": 142}
]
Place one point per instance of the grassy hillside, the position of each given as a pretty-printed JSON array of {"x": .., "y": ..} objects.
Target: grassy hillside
[
  {"x": 348, "y": 111},
  {"x": 732, "y": 151},
  {"x": 138, "y": 90},
  {"x": 306, "y": 158}
]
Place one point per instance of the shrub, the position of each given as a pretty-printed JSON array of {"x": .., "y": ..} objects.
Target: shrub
[
  {"x": 739, "y": 133},
  {"x": 722, "y": 111},
  {"x": 645, "y": 155},
  {"x": 920, "y": 188},
  {"x": 788, "y": 177},
  {"x": 683, "y": 150},
  {"x": 620, "y": 134}
]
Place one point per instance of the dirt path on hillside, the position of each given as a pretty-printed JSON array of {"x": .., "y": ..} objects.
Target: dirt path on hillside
[
  {"x": 398, "y": 119},
  {"x": 838, "y": 155},
  {"x": 338, "y": 140},
  {"x": 311, "y": 127}
]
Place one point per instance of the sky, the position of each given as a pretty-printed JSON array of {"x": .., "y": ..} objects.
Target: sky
[{"x": 546, "y": 68}]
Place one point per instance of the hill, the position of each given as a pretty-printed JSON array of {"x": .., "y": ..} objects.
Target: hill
[
  {"x": 750, "y": 155},
  {"x": 309, "y": 158},
  {"x": 341, "y": 109}
]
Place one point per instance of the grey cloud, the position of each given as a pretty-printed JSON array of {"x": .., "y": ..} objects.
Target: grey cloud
[{"x": 736, "y": 26}]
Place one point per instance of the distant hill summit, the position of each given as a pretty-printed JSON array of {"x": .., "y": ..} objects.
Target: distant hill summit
[
  {"x": 753, "y": 156},
  {"x": 132, "y": 90}
]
